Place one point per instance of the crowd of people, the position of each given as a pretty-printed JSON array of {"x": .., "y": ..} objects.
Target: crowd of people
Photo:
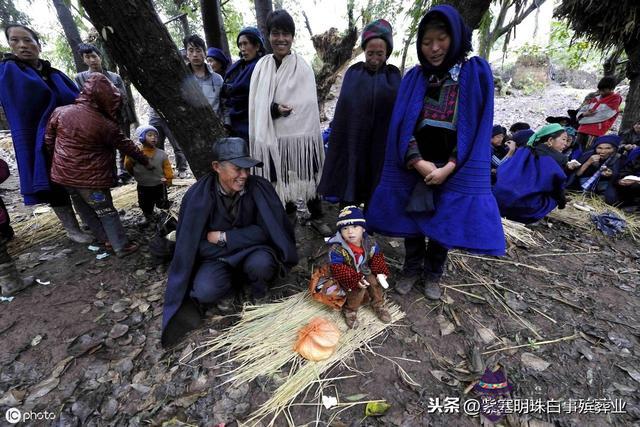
[{"x": 415, "y": 156}]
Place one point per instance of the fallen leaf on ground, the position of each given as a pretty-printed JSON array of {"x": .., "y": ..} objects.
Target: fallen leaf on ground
[
  {"x": 118, "y": 330},
  {"x": 446, "y": 327},
  {"x": 355, "y": 397},
  {"x": 374, "y": 409},
  {"x": 534, "y": 362}
]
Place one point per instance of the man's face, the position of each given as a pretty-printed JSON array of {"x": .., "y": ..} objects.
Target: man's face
[
  {"x": 281, "y": 41},
  {"x": 23, "y": 45},
  {"x": 93, "y": 61},
  {"x": 151, "y": 138},
  {"x": 231, "y": 177},
  {"x": 195, "y": 55}
]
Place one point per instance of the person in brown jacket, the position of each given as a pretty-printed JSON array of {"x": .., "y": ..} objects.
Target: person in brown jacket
[{"x": 82, "y": 138}]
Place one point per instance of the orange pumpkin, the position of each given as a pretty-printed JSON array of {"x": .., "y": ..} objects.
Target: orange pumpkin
[{"x": 318, "y": 340}]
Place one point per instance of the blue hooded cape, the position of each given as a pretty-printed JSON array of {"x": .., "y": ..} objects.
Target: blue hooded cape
[
  {"x": 359, "y": 133},
  {"x": 236, "y": 94},
  {"x": 193, "y": 218},
  {"x": 466, "y": 214},
  {"x": 526, "y": 185},
  {"x": 28, "y": 101}
]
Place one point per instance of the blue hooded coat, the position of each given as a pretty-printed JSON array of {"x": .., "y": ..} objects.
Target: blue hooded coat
[
  {"x": 28, "y": 98},
  {"x": 466, "y": 214}
]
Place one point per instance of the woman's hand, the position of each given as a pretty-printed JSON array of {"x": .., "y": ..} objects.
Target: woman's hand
[
  {"x": 424, "y": 167},
  {"x": 607, "y": 172},
  {"x": 363, "y": 284},
  {"x": 440, "y": 175},
  {"x": 595, "y": 159}
]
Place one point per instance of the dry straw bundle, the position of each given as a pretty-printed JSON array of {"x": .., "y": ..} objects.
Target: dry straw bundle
[
  {"x": 579, "y": 209},
  {"x": 519, "y": 234},
  {"x": 261, "y": 343}
]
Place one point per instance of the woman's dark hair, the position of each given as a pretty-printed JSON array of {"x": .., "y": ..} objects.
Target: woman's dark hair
[
  {"x": 24, "y": 27},
  {"x": 607, "y": 82},
  {"x": 435, "y": 23},
  {"x": 195, "y": 40},
  {"x": 281, "y": 20},
  {"x": 86, "y": 48},
  {"x": 519, "y": 126},
  {"x": 551, "y": 136}
]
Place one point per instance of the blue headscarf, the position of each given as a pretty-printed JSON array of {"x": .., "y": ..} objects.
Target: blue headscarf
[
  {"x": 460, "y": 37},
  {"x": 254, "y": 35},
  {"x": 612, "y": 139},
  {"x": 218, "y": 55}
]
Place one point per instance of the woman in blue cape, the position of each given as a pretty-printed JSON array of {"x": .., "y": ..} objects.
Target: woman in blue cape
[
  {"x": 235, "y": 92},
  {"x": 531, "y": 183},
  {"x": 361, "y": 121},
  {"x": 436, "y": 176},
  {"x": 30, "y": 89}
]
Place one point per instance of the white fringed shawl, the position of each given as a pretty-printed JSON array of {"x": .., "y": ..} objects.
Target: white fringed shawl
[{"x": 294, "y": 143}]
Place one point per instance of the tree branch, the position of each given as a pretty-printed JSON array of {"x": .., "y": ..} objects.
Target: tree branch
[
  {"x": 498, "y": 32},
  {"x": 306, "y": 23}
]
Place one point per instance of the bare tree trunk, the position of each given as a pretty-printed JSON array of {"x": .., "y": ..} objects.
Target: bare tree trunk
[
  {"x": 184, "y": 24},
  {"x": 263, "y": 7},
  {"x": 213, "y": 23},
  {"x": 153, "y": 62},
  {"x": 632, "y": 103},
  {"x": 70, "y": 31}
]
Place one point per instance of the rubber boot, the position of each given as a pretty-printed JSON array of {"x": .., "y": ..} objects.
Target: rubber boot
[
  {"x": 10, "y": 280},
  {"x": 67, "y": 217}
]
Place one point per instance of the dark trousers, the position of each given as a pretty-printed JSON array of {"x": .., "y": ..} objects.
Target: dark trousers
[
  {"x": 584, "y": 141},
  {"x": 58, "y": 196},
  {"x": 314, "y": 206},
  {"x": 422, "y": 258},
  {"x": 148, "y": 197},
  {"x": 214, "y": 279},
  {"x": 165, "y": 132},
  {"x": 95, "y": 207},
  {"x": 623, "y": 195}
]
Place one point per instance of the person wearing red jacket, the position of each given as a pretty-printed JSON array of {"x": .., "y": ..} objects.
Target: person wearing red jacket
[
  {"x": 355, "y": 261},
  {"x": 82, "y": 138},
  {"x": 597, "y": 114}
]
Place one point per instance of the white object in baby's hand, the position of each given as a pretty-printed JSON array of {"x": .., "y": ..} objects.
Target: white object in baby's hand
[
  {"x": 382, "y": 279},
  {"x": 574, "y": 162}
]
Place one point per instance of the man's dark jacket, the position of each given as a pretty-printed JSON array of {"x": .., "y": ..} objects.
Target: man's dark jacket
[{"x": 179, "y": 312}]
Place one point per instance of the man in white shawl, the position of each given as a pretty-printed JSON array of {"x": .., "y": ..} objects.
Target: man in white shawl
[{"x": 284, "y": 122}]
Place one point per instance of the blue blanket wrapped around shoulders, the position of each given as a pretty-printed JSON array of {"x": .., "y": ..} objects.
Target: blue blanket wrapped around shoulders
[
  {"x": 28, "y": 101},
  {"x": 528, "y": 186},
  {"x": 466, "y": 213}
]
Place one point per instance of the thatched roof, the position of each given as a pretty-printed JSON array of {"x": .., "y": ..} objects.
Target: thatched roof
[{"x": 606, "y": 23}]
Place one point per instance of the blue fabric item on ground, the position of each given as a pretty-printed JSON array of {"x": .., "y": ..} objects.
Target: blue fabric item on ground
[
  {"x": 358, "y": 133},
  {"x": 193, "y": 219},
  {"x": 466, "y": 214},
  {"x": 527, "y": 186},
  {"x": 28, "y": 101},
  {"x": 609, "y": 223}
]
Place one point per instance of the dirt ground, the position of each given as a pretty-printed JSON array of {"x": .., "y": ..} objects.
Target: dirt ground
[{"x": 86, "y": 347}]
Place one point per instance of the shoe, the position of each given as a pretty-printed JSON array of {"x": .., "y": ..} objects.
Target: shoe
[
  {"x": 432, "y": 290},
  {"x": 225, "y": 305},
  {"x": 351, "y": 318},
  {"x": 406, "y": 283},
  {"x": 129, "y": 248},
  {"x": 382, "y": 313},
  {"x": 10, "y": 281},
  {"x": 67, "y": 217}
]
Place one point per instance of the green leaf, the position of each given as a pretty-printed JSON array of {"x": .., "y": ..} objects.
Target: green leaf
[
  {"x": 356, "y": 397},
  {"x": 376, "y": 409}
]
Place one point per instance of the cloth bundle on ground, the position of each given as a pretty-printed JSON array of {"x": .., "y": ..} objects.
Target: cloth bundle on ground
[
  {"x": 359, "y": 132},
  {"x": 179, "y": 311},
  {"x": 29, "y": 97},
  {"x": 290, "y": 147},
  {"x": 531, "y": 184},
  {"x": 466, "y": 214}
]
